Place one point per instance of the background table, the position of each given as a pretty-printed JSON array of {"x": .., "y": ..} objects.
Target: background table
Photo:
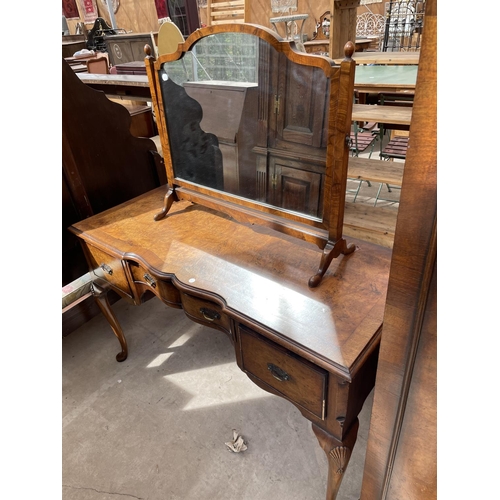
[
  {"x": 388, "y": 58},
  {"x": 390, "y": 79},
  {"x": 393, "y": 117},
  {"x": 388, "y": 117},
  {"x": 132, "y": 87},
  {"x": 323, "y": 45}
]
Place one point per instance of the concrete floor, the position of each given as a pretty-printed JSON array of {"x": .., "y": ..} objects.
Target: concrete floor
[{"x": 155, "y": 426}]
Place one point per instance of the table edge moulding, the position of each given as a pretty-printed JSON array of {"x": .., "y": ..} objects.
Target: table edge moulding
[{"x": 247, "y": 275}]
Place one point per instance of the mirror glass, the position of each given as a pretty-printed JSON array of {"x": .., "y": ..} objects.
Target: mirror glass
[{"x": 244, "y": 119}]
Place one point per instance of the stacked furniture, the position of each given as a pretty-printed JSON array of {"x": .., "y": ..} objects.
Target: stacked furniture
[
  {"x": 222, "y": 11},
  {"x": 72, "y": 44}
]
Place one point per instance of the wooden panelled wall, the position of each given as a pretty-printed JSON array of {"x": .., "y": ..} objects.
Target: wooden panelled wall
[
  {"x": 259, "y": 12},
  {"x": 139, "y": 16}
]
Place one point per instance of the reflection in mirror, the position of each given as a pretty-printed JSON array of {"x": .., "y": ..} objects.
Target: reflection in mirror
[{"x": 244, "y": 119}]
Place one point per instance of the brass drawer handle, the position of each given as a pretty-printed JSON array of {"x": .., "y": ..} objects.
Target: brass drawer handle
[
  {"x": 150, "y": 280},
  {"x": 209, "y": 314},
  {"x": 278, "y": 373},
  {"x": 106, "y": 269}
]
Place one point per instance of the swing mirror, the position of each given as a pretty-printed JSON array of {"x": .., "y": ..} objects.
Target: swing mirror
[{"x": 250, "y": 124}]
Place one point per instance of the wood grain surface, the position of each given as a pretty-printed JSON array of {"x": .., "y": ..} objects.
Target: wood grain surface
[{"x": 255, "y": 272}]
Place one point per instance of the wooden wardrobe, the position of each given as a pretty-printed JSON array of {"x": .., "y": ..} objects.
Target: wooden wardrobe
[{"x": 401, "y": 460}]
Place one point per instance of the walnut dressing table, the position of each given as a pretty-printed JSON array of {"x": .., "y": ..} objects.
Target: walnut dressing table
[
  {"x": 233, "y": 238},
  {"x": 316, "y": 347}
]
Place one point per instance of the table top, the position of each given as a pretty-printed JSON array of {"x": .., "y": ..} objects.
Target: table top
[
  {"x": 386, "y": 78},
  {"x": 131, "y": 87},
  {"x": 257, "y": 273},
  {"x": 315, "y": 45},
  {"x": 79, "y": 68},
  {"x": 387, "y": 58},
  {"x": 364, "y": 42},
  {"x": 386, "y": 115},
  {"x": 132, "y": 64},
  {"x": 286, "y": 19},
  {"x": 73, "y": 42},
  {"x": 124, "y": 80},
  {"x": 323, "y": 41}
]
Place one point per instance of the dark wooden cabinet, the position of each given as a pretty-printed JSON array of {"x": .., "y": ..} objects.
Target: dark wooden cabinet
[
  {"x": 103, "y": 163},
  {"x": 295, "y": 185},
  {"x": 128, "y": 48},
  {"x": 291, "y": 146},
  {"x": 74, "y": 265},
  {"x": 300, "y": 96}
]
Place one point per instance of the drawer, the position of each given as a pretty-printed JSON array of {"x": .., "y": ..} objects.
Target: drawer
[
  {"x": 147, "y": 280},
  {"x": 205, "y": 312},
  {"x": 110, "y": 268},
  {"x": 295, "y": 378}
]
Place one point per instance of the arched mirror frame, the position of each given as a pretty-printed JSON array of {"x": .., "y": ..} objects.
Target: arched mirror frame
[{"x": 326, "y": 232}]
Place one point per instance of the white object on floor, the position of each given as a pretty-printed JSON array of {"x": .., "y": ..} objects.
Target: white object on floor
[{"x": 237, "y": 445}]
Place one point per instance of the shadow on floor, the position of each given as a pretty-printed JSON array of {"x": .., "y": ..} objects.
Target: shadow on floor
[{"x": 155, "y": 426}]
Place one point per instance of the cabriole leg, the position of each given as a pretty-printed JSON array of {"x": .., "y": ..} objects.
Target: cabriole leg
[
  {"x": 100, "y": 293},
  {"x": 338, "y": 454}
]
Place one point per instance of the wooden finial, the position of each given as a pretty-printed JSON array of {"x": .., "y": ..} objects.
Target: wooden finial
[
  {"x": 148, "y": 50},
  {"x": 348, "y": 50}
]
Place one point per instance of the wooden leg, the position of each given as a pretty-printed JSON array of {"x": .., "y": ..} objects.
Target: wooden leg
[
  {"x": 100, "y": 293},
  {"x": 338, "y": 454},
  {"x": 330, "y": 252},
  {"x": 170, "y": 197}
]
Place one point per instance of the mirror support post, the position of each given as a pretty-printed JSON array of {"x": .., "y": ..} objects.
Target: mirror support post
[{"x": 339, "y": 150}]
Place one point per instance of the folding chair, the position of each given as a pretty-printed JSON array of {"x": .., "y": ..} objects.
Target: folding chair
[
  {"x": 395, "y": 148},
  {"x": 360, "y": 140}
]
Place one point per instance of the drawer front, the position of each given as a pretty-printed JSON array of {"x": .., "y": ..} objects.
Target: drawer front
[
  {"x": 146, "y": 280},
  {"x": 206, "y": 312},
  {"x": 297, "y": 379},
  {"x": 110, "y": 268}
]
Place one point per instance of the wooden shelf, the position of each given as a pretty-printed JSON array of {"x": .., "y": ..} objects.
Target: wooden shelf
[
  {"x": 367, "y": 169},
  {"x": 221, "y": 12},
  {"x": 373, "y": 224}
]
